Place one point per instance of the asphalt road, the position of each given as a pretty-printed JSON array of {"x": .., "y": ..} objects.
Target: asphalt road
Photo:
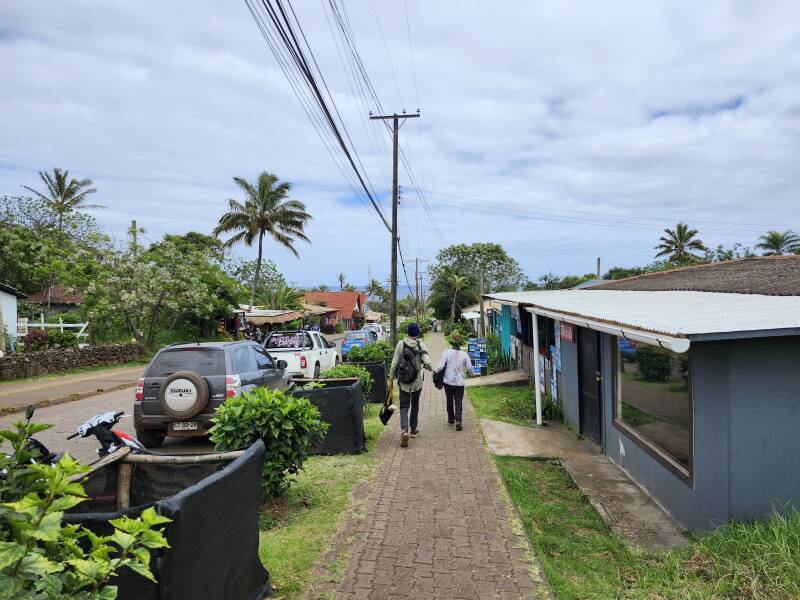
[{"x": 66, "y": 418}]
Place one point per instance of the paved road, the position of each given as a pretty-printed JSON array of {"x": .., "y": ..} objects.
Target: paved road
[{"x": 65, "y": 418}]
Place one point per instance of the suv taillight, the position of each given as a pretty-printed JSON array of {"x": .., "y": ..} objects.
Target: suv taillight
[
  {"x": 303, "y": 362},
  {"x": 232, "y": 384},
  {"x": 140, "y": 390}
]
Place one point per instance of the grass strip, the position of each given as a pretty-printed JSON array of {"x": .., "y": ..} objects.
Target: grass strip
[
  {"x": 141, "y": 362},
  {"x": 296, "y": 529}
]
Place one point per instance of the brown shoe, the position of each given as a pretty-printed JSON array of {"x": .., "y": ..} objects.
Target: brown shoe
[
  {"x": 458, "y": 426},
  {"x": 404, "y": 440},
  {"x": 414, "y": 432}
]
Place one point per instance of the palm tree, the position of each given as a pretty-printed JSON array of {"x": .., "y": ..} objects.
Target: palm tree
[
  {"x": 266, "y": 210},
  {"x": 457, "y": 283},
  {"x": 375, "y": 289},
  {"x": 342, "y": 281},
  {"x": 284, "y": 297},
  {"x": 776, "y": 243},
  {"x": 64, "y": 195},
  {"x": 321, "y": 288},
  {"x": 678, "y": 244}
]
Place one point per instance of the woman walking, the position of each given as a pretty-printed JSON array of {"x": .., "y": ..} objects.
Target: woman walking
[
  {"x": 410, "y": 358},
  {"x": 455, "y": 363}
]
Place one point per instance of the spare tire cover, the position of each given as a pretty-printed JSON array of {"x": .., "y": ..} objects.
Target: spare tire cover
[{"x": 183, "y": 394}]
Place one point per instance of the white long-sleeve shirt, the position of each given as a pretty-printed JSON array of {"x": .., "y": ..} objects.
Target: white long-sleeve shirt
[{"x": 455, "y": 363}]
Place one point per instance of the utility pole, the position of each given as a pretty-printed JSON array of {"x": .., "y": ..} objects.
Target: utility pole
[
  {"x": 395, "y": 118},
  {"x": 482, "y": 321},
  {"x": 598, "y": 267},
  {"x": 416, "y": 286}
]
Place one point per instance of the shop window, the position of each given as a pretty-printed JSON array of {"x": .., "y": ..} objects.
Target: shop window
[{"x": 653, "y": 402}]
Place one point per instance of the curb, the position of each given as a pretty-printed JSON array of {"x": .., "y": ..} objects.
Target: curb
[{"x": 11, "y": 410}]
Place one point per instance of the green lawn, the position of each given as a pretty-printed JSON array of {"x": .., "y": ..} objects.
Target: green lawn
[
  {"x": 504, "y": 403},
  {"x": 582, "y": 558},
  {"x": 296, "y": 531}
]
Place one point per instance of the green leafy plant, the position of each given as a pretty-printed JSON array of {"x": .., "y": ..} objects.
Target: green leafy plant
[
  {"x": 62, "y": 339},
  {"x": 496, "y": 360},
  {"x": 653, "y": 364},
  {"x": 289, "y": 426},
  {"x": 372, "y": 352},
  {"x": 313, "y": 385},
  {"x": 350, "y": 370},
  {"x": 43, "y": 559},
  {"x": 461, "y": 327}
]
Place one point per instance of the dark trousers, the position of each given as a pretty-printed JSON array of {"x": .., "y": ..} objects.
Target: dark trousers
[
  {"x": 455, "y": 399},
  {"x": 409, "y": 400}
]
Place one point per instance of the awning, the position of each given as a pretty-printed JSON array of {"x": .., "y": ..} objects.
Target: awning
[{"x": 676, "y": 344}]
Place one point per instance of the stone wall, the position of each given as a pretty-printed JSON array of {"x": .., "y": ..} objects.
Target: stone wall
[{"x": 46, "y": 362}]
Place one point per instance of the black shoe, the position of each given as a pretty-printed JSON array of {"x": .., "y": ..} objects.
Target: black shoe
[
  {"x": 458, "y": 426},
  {"x": 450, "y": 422}
]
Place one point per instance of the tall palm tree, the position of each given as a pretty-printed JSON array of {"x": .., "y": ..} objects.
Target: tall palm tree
[
  {"x": 776, "y": 243},
  {"x": 375, "y": 289},
  {"x": 64, "y": 195},
  {"x": 678, "y": 244},
  {"x": 267, "y": 209},
  {"x": 284, "y": 297},
  {"x": 342, "y": 281},
  {"x": 457, "y": 283}
]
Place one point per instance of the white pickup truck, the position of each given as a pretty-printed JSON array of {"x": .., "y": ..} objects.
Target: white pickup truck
[{"x": 307, "y": 353}]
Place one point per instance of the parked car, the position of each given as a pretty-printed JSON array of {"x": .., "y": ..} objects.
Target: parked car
[
  {"x": 377, "y": 329},
  {"x": 357, "y": 338},
  {"x": 185, "y": 383},
  {"x": 627, "y": 349},
  {"x": 307, "y": 353}
]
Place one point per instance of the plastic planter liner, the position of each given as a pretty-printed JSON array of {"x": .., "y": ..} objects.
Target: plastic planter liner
[
  {"x": 213, "y": 535},
  {"x": 340, "y": 403},
  {"x": 380, "y": 386}
]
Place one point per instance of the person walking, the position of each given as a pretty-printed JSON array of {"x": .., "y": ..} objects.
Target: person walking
[
  {"x": 455, "y": 363},
  {"x": 410, "y": 358}
]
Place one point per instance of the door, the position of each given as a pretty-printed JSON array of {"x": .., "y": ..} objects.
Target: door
[
  {"x": 590, "y": 378},
  {"x": 326, "y": 356},
  {"x": 244, "y": 361}
]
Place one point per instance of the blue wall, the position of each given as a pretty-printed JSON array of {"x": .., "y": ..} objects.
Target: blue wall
[
  {"x": 746, "y": 435},
  {"x": 505, "y": 330}
]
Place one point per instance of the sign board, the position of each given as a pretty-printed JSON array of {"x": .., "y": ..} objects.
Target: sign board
[
  {"x": 568, "y": 332},
  {"x": 476, "y": 348}
]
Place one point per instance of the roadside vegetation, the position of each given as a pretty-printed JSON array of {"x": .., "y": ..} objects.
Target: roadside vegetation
[
  {"x": 297, "y": 527},
  {"x": 583, "y": 558}
]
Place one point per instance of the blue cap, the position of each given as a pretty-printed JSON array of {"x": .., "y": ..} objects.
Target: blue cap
[{"x": 413, "y": 330}]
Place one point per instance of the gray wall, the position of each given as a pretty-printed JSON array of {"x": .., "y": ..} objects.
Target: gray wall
[
  {"x": 764, "y": 388},
  {"x": 569, "y": 383}
]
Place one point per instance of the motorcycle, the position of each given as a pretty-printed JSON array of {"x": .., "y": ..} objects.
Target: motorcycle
[{"x": 100, "y": 426}]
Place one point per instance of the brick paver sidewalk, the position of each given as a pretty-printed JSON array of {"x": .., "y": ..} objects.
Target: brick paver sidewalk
[{"x": 433, "y": 523}]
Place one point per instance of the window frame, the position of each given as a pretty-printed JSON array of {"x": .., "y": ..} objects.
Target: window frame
[{"x": 651, "y": 448}]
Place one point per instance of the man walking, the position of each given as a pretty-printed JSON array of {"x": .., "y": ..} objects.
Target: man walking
[
  {"x": 456, "y": 363},
  {"x": 410, "y": 358}
]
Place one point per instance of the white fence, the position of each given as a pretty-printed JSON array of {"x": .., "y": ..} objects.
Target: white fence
[{"x": 24, "y": 325}]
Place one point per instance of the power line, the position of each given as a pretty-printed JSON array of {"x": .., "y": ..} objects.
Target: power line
[
  {"x": 388, "y": 56},
  {"x": 283, "y": 34}
]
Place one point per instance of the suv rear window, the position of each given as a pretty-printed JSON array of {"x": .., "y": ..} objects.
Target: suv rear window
[
  {"x": 287, "y": 340},
  {"x": 203, "y": 361},
  {"x": 356, "y": 335}
]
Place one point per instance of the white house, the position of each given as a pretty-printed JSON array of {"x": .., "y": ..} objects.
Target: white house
[{"x": 8, "y": 313}]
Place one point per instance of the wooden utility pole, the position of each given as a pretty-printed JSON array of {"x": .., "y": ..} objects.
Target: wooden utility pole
[
  {"x": 395, "y": 118},
  {"x": 482, "y": 320},
  {"x": 416, "y": 287}
]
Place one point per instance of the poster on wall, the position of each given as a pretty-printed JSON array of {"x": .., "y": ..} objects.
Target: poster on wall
[
  {"x": 542, "y": 371},
  {"x": 557, "y": 351},
  {"x": 476, "y": 348},
  {"x": 568, "y": 333}
]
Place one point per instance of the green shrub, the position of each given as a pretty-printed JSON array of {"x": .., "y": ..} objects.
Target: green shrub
[
  {"x": 289, "y": 426},
  {"x": 653, "y": 364},
  {"x": 41, "y": 558},
  {"x": 496, "y": 360},
  {"x": 349, "y": 370},
  {"x": 372, "y": 352},
  {"x": 462, "y": 327},
  {"x": 523, "y": 406},
  {"x": 62, "y": 339},
  {"x": 339, "y": 327},
  {"x": 36, "y": 340}
]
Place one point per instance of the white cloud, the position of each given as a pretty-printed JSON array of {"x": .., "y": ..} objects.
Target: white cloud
[{"x": 548, "y": 104}]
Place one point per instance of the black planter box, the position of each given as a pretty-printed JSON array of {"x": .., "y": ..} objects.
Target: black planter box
[
  {"x": 380, "y": 385},
  {"x": 340, "y": 403},
  {"x": 213, "y": 535}
]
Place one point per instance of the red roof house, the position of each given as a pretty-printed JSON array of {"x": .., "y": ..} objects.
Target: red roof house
[{"x": 350, "y": 306}]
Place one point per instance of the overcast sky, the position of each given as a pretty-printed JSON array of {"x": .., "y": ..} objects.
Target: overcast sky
[{"x": 561, "y": 130}]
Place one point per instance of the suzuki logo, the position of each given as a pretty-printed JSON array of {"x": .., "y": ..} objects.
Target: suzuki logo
[{"x": 180, "y": 390}]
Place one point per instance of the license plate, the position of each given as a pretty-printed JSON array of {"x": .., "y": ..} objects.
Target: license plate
[{"x": 186, "y": 426}]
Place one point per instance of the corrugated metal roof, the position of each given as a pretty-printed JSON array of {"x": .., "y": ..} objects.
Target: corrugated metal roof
[{"x": 704, "y": 315}]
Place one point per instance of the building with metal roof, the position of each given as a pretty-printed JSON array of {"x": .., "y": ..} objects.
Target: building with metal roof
[{"x": 693, "y": 392}]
